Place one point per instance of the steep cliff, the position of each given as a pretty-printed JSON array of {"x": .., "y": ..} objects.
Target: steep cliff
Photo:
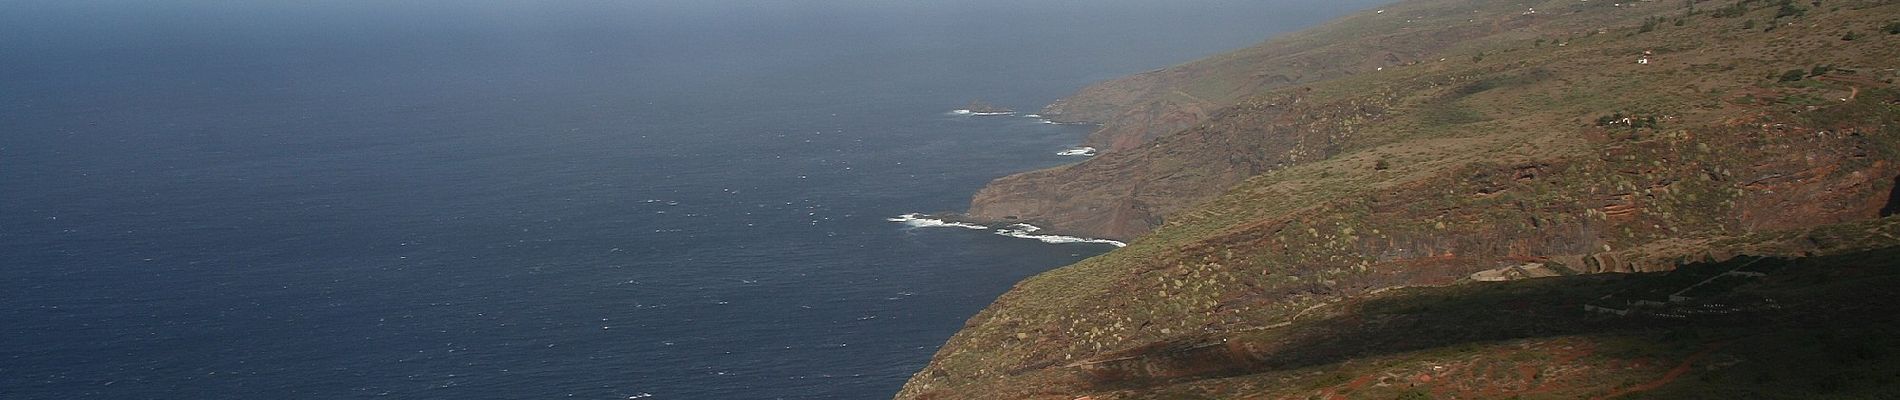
[
  {"x": 1531, "y": 138},
  {"x": 1129, "y": 193}
]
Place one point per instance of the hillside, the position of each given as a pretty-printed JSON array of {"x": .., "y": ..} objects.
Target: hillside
[
  {"x": 1766, "y": 327},
  {"x": 1448, "y": 75},
  {"x": 1429, "y": 143}
]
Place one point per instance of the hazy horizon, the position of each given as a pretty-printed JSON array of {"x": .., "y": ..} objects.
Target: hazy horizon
[{"x": 434, "y": 199}]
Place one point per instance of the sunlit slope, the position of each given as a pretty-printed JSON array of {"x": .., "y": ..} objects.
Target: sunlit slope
[{"x": 1568, "y": 138}]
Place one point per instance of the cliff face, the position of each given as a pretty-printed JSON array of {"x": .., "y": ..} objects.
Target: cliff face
[
  {"x": 1131, "y": 188},
  {"x": 1535, "y": 142},
  {"x": 1137, "y": 109},
  {"x": 1123, "y": 194}
]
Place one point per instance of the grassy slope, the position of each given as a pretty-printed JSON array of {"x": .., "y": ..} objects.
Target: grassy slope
[
  {"x": 1733, "y": 145},
  {"x": 1243, "y": 99}
]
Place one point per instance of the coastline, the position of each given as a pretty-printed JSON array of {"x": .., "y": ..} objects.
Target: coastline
[{"x": 1018, "y": 230}]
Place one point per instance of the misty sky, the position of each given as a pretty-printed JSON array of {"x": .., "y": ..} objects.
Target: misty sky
[{"x": 42, "y": 32}]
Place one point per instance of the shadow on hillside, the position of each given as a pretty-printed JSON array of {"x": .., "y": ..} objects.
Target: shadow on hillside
[
  {"x": 1893, "y": 200},
  {"x": 1811, "y": 293}
]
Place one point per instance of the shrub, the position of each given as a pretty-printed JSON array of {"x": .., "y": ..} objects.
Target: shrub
[
  {"x": 1788, "y": 9},
  {"x": 1893, "y": 28},
  {"x": 1632, "y": 121},
  {"x": 1609, "y": 119},
  {"x": 1750, "y": 24},
  {"x": 1793, "y": 75},
  {"x": 1850, "y": 36},
  {"x": 1819, "y": 70}
]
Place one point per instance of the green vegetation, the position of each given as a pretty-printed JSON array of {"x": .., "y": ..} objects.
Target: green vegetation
[
  {"x": 1819, "y": 70},
  {"x": 1788, "y": 9},
  {"x": 1631, "y": 121},
  {"x": 1793, "y": 75},
  {"x": 1735, "y": 9}
]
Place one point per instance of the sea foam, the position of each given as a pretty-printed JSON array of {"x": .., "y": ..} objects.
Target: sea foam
[
  {"x": 916, "y": 220},
  {"x": 1079, "y": 151},
  {"x": 980, "y": 114},
  {"x": 1027, "y": 231},
  {"x": 1020, "y": 231}
]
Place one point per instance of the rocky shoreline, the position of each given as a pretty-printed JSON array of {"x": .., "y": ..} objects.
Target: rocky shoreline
[{"x": 1430, "y": 143}]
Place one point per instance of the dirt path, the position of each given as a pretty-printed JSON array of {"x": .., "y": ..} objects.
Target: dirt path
[{"x": 1687, "y": 365}]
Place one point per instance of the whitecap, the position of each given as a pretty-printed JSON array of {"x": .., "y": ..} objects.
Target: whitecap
[
  {"x": 916, "y": 220},
  {"x": 1021, "y": 231},
  {"x": 1027, "y": 231},
  {"x": 1084, "y": 151},
  {"x": 968, "y": 112}
]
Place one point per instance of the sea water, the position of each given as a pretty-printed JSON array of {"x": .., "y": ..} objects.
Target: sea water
[{"x": 476, "y": 199}]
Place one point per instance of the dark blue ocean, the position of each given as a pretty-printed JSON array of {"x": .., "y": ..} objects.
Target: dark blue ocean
[{"x": 510, "y": 199}]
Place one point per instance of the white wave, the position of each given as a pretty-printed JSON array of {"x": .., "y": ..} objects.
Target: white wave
[
  {"x": 969, "y": 112},
  {"x": 1079, "y": 151},
  {"x": 916, "y": 220},
  {"x": 1027, "y": 231},
  {"x": 1021, "y": 231},
  {"x": 1032, "y": 115}
]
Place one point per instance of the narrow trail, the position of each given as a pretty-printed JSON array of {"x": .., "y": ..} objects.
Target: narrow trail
[{"x": 1677, "y": 372}]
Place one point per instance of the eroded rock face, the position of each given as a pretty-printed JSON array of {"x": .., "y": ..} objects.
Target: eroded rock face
[{"x": 1146, "y": 122}]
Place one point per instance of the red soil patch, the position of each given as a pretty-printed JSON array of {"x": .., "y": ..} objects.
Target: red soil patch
[{"x": 1684, "y": 367}]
